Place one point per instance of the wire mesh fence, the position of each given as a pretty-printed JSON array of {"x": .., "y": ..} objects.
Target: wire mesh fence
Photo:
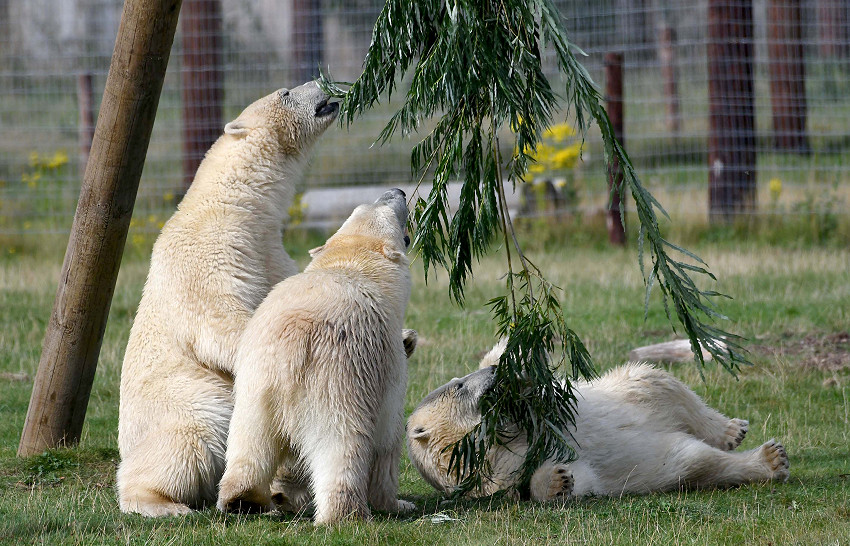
[{"x": 750, "y": 98}]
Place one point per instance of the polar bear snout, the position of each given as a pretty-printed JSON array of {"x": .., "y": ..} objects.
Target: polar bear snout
[
  {"x": 310, "y": 94},
  {"x": 396, "y": 199}
]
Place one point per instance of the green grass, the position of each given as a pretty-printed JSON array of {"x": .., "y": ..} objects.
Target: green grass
[{"x": 787, "y": 299}]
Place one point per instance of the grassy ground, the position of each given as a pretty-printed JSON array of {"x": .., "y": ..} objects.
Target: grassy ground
[{"x": 792, "y": 302}]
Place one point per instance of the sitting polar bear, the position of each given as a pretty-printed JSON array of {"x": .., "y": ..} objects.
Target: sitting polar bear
[
  {"x": 214, "y": 262},
  {"x": 321, "y": 374},
  {"x": 638, "y": 430}
]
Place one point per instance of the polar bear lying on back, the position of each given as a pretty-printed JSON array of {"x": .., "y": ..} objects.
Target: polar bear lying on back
[
  {"x": 321, "y": 374},
  {"x": 638, "y": 430}
]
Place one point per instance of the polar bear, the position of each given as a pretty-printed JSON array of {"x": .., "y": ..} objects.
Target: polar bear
[
  {"x": 638, "y": 430},
  {"x": 321, "y": 374},
  {"x": 212, "y": 264}
]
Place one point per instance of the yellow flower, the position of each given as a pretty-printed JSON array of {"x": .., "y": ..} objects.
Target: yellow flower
[
  {"x": 12, "y": 250},
  {"x": 59, "y": 158},
  {"x": 31, "y": 179},
  {"x": 566, "y": 158},
  {"x": 27, "y": 225},
  {"x": 138, "y": 239},
  {"x": 560, "y": 132},
  {"x": 775, "y": 186},
  {"x": 168, "y": 197},
  {"x": 33, "y": 159}
]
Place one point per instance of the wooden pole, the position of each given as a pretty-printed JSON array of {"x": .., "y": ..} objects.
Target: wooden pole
[
  {"x": 787, "y": 75},
  {"x": 75, "y": 331},
  {"x": 832, "y": 28},
  {"x": 308, "y": 37},
  {"x": 731, "y": 109},
  {"x": 667, "y": 56},
  {"x": 203, "y": 82},
  {"x": 85, "y": 131},
  {"x": 616, "y": 216}
]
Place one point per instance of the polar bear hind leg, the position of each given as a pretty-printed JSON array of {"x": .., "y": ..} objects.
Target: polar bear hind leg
[
  {"x": 339, "y": 466},
  {"x": 699, "y": 465},
  {"x": 181, "y": 479},
  {"x": 674, "y": 402}
]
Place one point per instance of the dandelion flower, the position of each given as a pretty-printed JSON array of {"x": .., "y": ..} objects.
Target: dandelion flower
[{"x": 775, "y": 186}]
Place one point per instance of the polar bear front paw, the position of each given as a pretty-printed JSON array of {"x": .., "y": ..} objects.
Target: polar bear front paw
[
  {"x": 562, "y": 483},
  {"x": 405, "y": 506},
  {"x": 773, "y": 454},
  {"x": 552, "y": 482},
  {"x": 736, "y": 431}
]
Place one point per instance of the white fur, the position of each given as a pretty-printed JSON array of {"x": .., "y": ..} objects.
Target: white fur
[
  {"x": 322, "y": 377},
  {"x": 638, "y": 430},
  {"x": 214, "y": 262}
]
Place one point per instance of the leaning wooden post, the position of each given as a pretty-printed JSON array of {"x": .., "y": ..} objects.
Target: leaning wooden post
[
  {"x": 75, "y": 331},
  {"x": 616, "y": 217}
]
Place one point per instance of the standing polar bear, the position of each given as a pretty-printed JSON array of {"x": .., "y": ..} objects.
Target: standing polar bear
[
  {"x": 638, "y": 430},
  {"x": 214, "y": 262},
  {"x": 321, "y": 374}
]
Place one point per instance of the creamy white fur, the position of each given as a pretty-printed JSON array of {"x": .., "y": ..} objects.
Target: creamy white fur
[
  {"x": 322, "y": 375},
  {"x": 638, "y": 430},
  {"x": 214, "y": 262}
]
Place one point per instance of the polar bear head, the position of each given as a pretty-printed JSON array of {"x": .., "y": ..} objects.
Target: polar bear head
[
  {"x": 442, "y": 418},
  {"x": 376, "y": 227},
  {"x": 294, "y": 118}
]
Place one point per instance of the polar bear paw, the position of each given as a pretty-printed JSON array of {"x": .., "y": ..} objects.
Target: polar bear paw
[
  {"x": 773, "y": 454},
  {"x": 250, "y": 502},
  {"x": 736, "y": 431},
  {"x": 552, "y": 481},
  {"x": 562, "y": 483},
  {"x": 405, "y": 506}
]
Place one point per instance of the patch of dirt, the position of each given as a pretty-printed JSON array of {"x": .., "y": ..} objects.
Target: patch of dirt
[{"x": 829, "y": 352}]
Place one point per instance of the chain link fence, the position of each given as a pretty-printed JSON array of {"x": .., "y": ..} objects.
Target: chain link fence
[{"x": 785, "y": 66}]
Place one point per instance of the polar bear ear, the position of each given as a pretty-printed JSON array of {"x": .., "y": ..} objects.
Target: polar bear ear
[
  {"x": 409, "y": 337},
  {"x": 313, "y": 251},
  {"x": 237, "y": 128},
  {"x": 391, "y": 253},
  {"x": 420, "y": 433}
]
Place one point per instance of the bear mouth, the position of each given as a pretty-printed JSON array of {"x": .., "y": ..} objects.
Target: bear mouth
[{"x": 326, "y": 108}]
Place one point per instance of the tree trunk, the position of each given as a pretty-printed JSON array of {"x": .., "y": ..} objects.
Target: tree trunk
[
  {"x": 616, "y": 216},
  {"x": 787, "y": 76},
  {"x": 75, "y": 331},
  {"x": 732, "y": 140},
  {"x": 203, "y": 82}
]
